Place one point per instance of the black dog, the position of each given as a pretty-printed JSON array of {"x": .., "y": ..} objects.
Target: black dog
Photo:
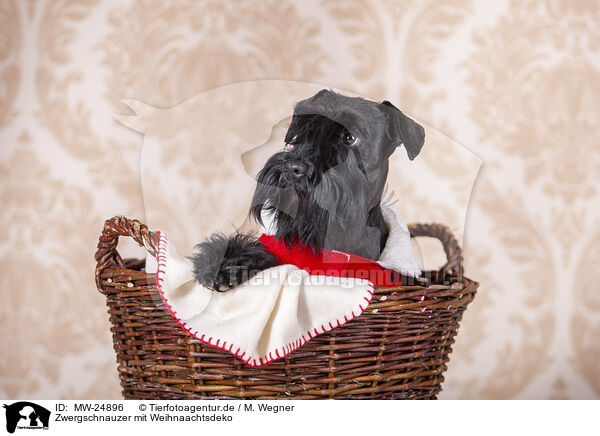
[{"x": 323, "y": 191}]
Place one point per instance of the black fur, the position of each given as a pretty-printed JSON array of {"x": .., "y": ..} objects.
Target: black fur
[
  {"x": 323, "y": 191},
  {"x": 222, "y": 262}
]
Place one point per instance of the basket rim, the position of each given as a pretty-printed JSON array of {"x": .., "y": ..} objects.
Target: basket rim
[
  {"x": 131, "y": 273},
  {"x": 107, "y": 255}
]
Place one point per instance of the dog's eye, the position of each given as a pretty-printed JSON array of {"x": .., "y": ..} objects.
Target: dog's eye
[{"x": 349, "y": 139}]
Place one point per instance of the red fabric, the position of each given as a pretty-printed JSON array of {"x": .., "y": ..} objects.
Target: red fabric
[{"x": 332, "y": 263}]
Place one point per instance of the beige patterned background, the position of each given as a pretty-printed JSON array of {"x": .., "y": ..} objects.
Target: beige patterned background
[{"x": 516, "y": 82}]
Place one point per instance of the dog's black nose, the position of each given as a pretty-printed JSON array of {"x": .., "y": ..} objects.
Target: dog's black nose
[{"x": 295, "y": 169}]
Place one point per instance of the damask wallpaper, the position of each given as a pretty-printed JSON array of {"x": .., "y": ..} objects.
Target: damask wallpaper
[{"x": 515, "y": 82}]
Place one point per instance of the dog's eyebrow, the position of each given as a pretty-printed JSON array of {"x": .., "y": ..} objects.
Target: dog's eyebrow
[
  {"x": 347, "y": 116},
  {"x": 348, "y": 120}
]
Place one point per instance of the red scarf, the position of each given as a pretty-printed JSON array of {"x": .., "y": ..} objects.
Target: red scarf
[{"x": 333, "y": 263}]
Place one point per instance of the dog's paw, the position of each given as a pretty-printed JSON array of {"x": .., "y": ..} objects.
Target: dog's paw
[{"x": 224, "y": 262}]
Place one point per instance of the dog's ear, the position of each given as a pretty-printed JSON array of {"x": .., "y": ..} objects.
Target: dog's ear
[{"x": 402, "y": 129}]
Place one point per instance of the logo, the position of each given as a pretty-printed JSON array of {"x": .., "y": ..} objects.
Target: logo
[{"x": 26, "y": 415}]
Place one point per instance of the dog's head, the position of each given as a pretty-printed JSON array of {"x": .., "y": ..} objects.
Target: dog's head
[{"x": 329, "y": 179}]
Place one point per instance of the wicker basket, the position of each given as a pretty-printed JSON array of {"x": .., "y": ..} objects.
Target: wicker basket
[{"x": 398, "y": 348}]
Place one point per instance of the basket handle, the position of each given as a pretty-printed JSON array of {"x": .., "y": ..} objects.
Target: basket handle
[
  {"x": 107, "y": 254},
  {"x": 454, "y": 259}
]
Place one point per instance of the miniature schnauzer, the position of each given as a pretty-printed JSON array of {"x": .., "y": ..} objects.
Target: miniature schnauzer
[{"x": 323, "y": 191}]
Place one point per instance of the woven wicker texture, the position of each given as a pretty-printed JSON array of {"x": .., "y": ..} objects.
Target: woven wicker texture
[{"x": 397, "y": 349}]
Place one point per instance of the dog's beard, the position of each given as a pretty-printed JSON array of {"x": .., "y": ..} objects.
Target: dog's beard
[
  {"x": 298, "y": 219},
  {"x": 332, "y": 210},
  {"x": 343, "y": 192}
]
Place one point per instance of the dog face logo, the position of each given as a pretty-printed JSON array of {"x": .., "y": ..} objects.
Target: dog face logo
[
  {"x": 26, "y": 415},
  {"x": 201, "y": 140}
]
